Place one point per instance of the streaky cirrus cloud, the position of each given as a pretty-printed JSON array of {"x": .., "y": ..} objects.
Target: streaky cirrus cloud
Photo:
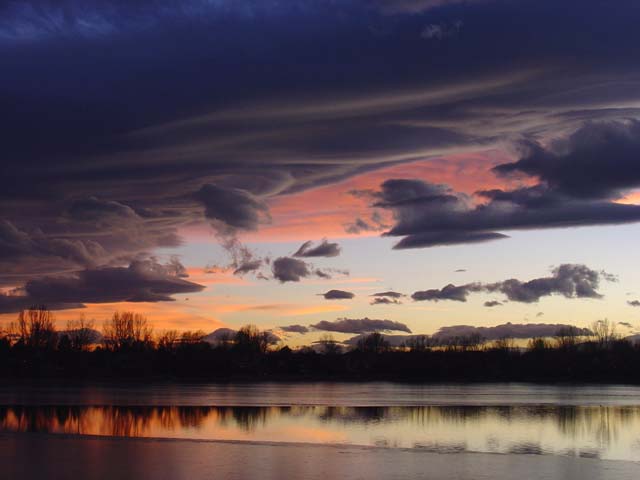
[
  {"x": 360, "y": 325},
  {"x": 419, "y": 6},
  {"x": 324, "y": 249},
  {"x": 568, "y": 280},
  {"x": 338, "y": 295},
  {"x": 85, "y": 188}
]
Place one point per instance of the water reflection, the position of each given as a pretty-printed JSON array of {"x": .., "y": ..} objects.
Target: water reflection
[{"x": 601, "y": 432}]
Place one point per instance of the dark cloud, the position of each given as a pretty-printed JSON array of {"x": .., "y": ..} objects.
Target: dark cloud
[
  {"x": 142, "y": 281},
  {"x": 94, "y": 236},
  {"x": 228, "y": 334},
  {"x": 449, "y": 292},
  {"x": 599, "y": 160},
  {"x": 360, "y": 325},
  {"x": 385, "y": 301},
  {"x": 137, "y": 133},
  {"x": 374, "y": 224},
  {"x": 295, "y": 329},
  {"x": 338, "y": 295},
  {"x": 322, "y": 273},
  {"x": 430, "y": 215},
  {"x": 390, "y": 294},
  {"x": 324, "y": 249},
  {"x": 387, "y": 298},
  {"x": 507, "y": 330},
  {"x": 634, "y": 303},
  {"x": 492, "y": 303},
  {"x": 568, "y": 280},
  {"x": 235, "y": 208},
  {"x": 359, "y": 225},
  {"x": 248, "y": 266},
  {"x": 287, "y": 269}
]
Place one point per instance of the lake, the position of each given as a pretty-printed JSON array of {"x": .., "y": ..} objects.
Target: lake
[{"x": 598, "y": 422}]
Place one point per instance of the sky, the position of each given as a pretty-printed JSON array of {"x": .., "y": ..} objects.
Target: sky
[{"x": 321, "y": 166}]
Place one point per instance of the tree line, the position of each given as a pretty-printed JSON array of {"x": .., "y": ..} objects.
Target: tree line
[{"x": 127, "y": 347}]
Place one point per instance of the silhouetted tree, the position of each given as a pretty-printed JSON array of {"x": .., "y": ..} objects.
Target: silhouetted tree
[
  {"x": 36, "y": 328},
  {"x": 168, "y": 340},
  {"x": 566, "y": 337},
  {"x": 538, "y": 344},
  {"x": 504, "y": 344},
  {"x": 192, "y": 337},
  {"x": 328, "y": 345},
  {"x": 126, "y": 330},
  {"x": 604, "y": 333},
  {"x": 420, "y": 343},
  {"x": 81, "y": 333},
  {"x": 373, "y": 343},
  {"x": 250, "y": 339}
]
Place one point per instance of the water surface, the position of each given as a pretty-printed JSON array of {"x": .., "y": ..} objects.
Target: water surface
[
  {"x": 362, "y": 394},
  {"x": 580, "y": 421}
]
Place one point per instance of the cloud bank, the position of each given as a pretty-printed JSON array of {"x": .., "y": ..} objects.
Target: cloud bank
[
  {"x": 360, "y": 325},
  {"x": 568, "y": 280},
  {"x": 142, "y": 281}
]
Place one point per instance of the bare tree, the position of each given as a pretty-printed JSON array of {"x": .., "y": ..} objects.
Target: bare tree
[
  {"x": 192, "y": 337},
  {"x": 505, "y": 344},
  {"x": 127, "y": 329},
  {"x": 36, "y": 328},
  {"x": 420, "y": 343},
  {"x": 168, "y": 340},
  {"x": 566, "y": 337},
  {"x": 373, "y": 343},
  {"x": 604, "y": 333},
  {"x": 538, "y": 344},
  {"x": 81, "y": 333},
  {"x": 328, "y": 345},
  {"x": 250, "y": 339}
]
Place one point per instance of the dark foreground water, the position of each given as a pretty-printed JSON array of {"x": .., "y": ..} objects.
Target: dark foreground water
[{"x": 601, "y": 422}]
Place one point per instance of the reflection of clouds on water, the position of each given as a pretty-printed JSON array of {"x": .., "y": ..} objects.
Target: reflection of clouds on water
[{"x": 593, "y": 432}]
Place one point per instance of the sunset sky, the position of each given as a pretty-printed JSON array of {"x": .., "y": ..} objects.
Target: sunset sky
[{"x": 450, "y": 162}]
